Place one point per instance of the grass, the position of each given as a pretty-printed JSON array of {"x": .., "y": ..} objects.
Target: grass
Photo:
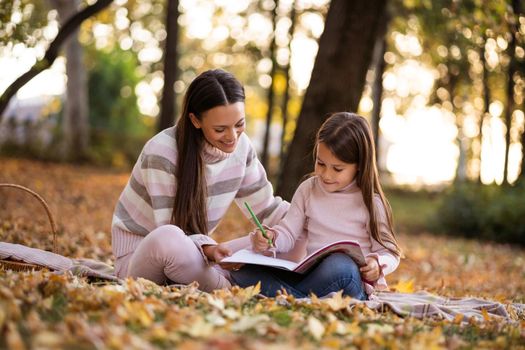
[{"x": 414, "y": 211}]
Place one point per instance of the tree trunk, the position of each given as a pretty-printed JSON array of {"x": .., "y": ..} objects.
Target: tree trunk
[
  {"x": 167, "y": 108},
  {"x": 286, "y": 97},
  {"x": 75, "y": 116},
  {"x": 461, "y": 168},
  {"x": 377, "y": 91},
  {"x": 518, "y": 10},
  {"x": 486, "y": 100},
  {"x": 521, "y": 176},
  {"x": 269, "y": 113},
  {"x": 338, "y": 78},
  {"x": 377, "y": 86},
  {"x": 513, "y": 29}
]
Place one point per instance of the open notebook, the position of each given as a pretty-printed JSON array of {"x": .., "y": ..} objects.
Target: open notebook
[{"x": 351, "y": 248}]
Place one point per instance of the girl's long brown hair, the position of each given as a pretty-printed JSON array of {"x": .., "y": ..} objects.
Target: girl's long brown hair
[
  {"x": 349, "y": 137},
  {"x": 210, "y": 89}
]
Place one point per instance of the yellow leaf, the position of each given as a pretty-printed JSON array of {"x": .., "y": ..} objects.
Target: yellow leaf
[
  {"x": 158, "y": 333},
  {"x": 232, "y": 314},
  {"x": 3, "y": 316},
  {"x": 458, "y": 319},
  {"x": 315, "y": 327},
  {"x": 248, "y": 322},
  {"x": 144, "y": 317},
  {"x": 314, "y": 299},
  {"x": 337, "y": 302},
  {"x": 375, "y": 328},
  {"x": 249, "y": 292},
  {"x": 13, "y": 339},
  {"x": 200, "y": 328},
  {"x": 333, "y": 327},
  {"x": 215, "y": 319},
  {"x": 343, "y": 328},
  {"x": 404, "y": 286},
  {"x": 485, "y": 314},
  {"x": 332, "y": 343},
  {"x": 216, "y": 302},
  {"x": 47, "y": 339}
]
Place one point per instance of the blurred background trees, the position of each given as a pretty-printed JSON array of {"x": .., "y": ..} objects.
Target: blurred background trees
[{"x": 441, "y": 82}]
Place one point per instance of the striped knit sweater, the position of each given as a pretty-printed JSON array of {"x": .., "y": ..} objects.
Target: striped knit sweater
[{"x": 147, "y": 200}]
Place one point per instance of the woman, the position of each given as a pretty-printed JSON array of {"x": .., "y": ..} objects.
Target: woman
[{"x": 182, "y": 185}]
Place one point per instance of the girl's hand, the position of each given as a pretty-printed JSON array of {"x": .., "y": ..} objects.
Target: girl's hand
[
  {"x": 259, "y": 242},
  {"x": 371, "y": 271},
  {"x": 216, "y": 253}
]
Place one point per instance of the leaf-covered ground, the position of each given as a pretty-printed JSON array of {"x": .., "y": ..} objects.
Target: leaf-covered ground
[{"x": 43, "y": 310}]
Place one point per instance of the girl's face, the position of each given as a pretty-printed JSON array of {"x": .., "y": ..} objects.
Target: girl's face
[
  {"x": 334, "y": 174},
  {"x": 222, "y": 125}
]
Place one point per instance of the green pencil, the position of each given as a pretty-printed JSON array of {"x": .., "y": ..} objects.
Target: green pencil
[{"x": 258, "y": 223}]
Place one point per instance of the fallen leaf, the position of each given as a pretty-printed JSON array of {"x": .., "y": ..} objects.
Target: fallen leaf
[
  {"x": 404, "y": 286},
  {"x": 249, "y": 322},
  {"x": 337, "y": 302},
  {"x": 316, "y": 328}
]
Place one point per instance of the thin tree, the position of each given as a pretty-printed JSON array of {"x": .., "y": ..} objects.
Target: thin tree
[
  {"x": 377, "y": 85},
  {"x": 286, "y": 93},
  {"x": 75, "y": 116},
  {"x": 486, "y": 98},
  {"x": 167, "y": 107},
  {"x": 337, "y": 81},
  {"x": 513, "y": 30},
  {"x": 271, "y": 92},
  {"x": 52, "y": 52}
]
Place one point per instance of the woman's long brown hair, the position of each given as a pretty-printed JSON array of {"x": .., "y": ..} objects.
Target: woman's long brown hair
[
  {"x": 349, "y": 137},
  {"x": 210, "y": 89}
]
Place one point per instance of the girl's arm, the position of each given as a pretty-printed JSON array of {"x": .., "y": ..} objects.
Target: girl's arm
[
  {"x": 292, "y": 226},
  {"x": 387, "y": 261},
  {"x": 285, "y": 234}
]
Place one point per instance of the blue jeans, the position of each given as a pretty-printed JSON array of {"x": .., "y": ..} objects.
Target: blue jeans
[{"x": 334, "y": 273}]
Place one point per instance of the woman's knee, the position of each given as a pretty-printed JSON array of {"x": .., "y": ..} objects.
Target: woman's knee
[
  {"x": 165, "y": 235},
  {"x": 168, "y": 240},
  {"x": 165, "y": 247}
]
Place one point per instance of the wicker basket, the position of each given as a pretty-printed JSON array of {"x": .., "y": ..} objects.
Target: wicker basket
[{"x": 22, "y": 266}]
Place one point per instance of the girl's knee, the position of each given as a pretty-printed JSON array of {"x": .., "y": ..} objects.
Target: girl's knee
[
  {"x": 340, "y": 264},
  {"x": 246, "y": 276},
  {"x": 342, "y": 273}
]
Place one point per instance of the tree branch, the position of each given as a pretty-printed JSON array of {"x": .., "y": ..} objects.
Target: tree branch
[{"x": 52, "y": 52}]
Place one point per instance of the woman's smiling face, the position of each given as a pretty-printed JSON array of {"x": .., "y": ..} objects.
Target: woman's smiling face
[{"x": 222, "y": 125}]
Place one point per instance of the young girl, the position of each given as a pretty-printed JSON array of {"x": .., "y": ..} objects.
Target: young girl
[
  {"x": 181, "y": 186},
  {"x": 343, "y": 200}
]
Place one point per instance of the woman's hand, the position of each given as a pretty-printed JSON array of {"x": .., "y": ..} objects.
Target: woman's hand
[
  {"x": 216, "y": 253},
  {"x": 259, "y": 242},
  {"x": 371, "y": 271}
]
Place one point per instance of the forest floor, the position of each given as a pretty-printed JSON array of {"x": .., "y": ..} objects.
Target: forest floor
[{"x": 44, "y": 310}]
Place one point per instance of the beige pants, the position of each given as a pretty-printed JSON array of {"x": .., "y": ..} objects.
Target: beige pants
[{"x": 167, "y": 255}]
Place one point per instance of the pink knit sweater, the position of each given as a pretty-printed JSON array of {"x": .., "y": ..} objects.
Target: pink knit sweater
[
  {"x": 147, "y": 200},
  {"x": 331, "y": 216}
]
